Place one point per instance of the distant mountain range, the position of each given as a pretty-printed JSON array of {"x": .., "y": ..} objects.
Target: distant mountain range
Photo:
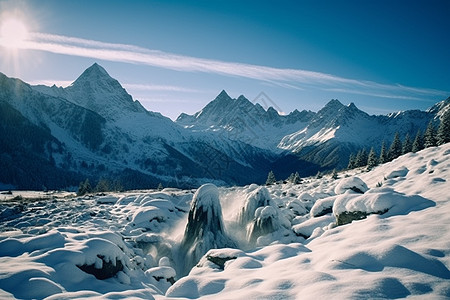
[{"x": 54, "y": 137}]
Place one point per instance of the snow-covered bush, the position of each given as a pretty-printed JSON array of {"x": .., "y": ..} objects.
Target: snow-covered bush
[
  {"x": 297, "y": 207},
  {"x": 307, "y": 200},
  {"x": 307, "y": 228},
  {"x": 162, "y": 276},
  {"x": 149, "y": 217}
]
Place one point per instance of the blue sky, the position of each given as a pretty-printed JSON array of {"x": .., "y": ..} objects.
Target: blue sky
[{"x": 176, "y": 56}]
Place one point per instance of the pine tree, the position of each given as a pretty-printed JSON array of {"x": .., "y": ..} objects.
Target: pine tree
[
  {"x": 358, "y": 159},
  {"x": 383, "y": 154},
  {"x": 160, "y": 187},
  {"x": 351, "y": 162},
  {"x": 102, "y": 186},
  {"x": 407, "y": 144},
  {"x": 361, "y": 158},
  {"x": 271, "y": 178},
  {"x": 294, "y": 178},
  {"x": 372, "y": 160},
  {"x": 430, "y": 136},
  {"x": 290, "y": 178},
  {"x": 297, "y": 179},
  {"x": 334, "y": 175},
  {"x": 84, "y": 188},
  {"x": 87, "y": 186},
  {"x": 418, "y": 142},
  {"x": 396, "y": 148},
  {"x": 443, "y": 133}
]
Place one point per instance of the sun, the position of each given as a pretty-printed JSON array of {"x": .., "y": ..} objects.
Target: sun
[{"x": 13, "y": 33}]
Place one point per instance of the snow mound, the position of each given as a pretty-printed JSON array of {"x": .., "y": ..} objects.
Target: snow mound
[
  {"x": 400, "y": 172},
  {"x": 106, "y": 200},
  {"x": 322, "y": 207},
  {"x": 352, "y": 183},
  {"x": 402, "y": 253},
  {"x": 161, "y": 277},
  {"x": 383, "y": 201},
  {"x": 297, "y": 207},
  {"x": 306, "y": 229},
  {"x": 149, "y": 217}
]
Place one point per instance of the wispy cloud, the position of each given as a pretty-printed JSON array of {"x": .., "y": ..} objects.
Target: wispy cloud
[
  {"x": 289, "y": 78},
  {"x": 377, "y": 94},
  {"x": 165, "y": 88}
]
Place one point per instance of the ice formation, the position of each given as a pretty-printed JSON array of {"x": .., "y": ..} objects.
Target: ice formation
[{"x": 205, "y": 229}]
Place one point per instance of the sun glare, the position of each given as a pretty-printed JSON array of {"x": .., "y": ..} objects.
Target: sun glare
[{"x": 13, "y": 33}]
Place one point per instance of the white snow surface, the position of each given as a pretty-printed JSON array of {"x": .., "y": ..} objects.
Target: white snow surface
[{"x": 404, "y": 253}]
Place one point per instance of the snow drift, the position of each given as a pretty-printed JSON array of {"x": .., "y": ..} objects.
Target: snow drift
[{"x": 134, "y": 245}]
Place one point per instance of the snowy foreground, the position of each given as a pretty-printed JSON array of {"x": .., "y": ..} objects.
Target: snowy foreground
[{"x": 284, "y": 241}]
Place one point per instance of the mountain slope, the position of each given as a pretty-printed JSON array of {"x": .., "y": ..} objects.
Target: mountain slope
[
  {"x": 27, "y": 154},
  {"x": 338, "y": 130}
]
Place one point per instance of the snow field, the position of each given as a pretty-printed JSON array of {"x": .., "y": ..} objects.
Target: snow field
[{"x": 397, "y": 245}]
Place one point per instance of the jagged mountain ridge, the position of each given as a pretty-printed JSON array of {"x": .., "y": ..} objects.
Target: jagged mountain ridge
[
  {"x": 241, "y": 120},
  {"x": 325, "y": 138},
  {"x": 100, "y": 131}
]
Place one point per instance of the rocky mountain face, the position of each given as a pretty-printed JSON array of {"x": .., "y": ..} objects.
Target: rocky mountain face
[{"x": 54, "y": 137}]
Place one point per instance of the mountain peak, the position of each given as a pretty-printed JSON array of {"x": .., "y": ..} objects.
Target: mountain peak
[
  {"x": 334, "y": 103},
  {"x": 330, "y": 108},
  {"x": 223, "y": 94},
  {"x": 93, "y": 73},
  {"x": 98, "y": 69},
  {"x": 96, "y": 90}
]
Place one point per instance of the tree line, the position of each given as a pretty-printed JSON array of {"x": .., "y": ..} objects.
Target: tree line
[
  {"x": 103, "y": 186},
  {"x": 432, "y": 137}
]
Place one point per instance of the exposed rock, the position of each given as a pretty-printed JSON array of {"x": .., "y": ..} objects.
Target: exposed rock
[
  {"x": 350, "y": 216},
  {"x": 219, "y": 261},
  {"x": 109, "y": 268}
]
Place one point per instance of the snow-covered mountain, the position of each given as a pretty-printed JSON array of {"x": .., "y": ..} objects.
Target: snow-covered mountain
[
  {"x": 241, "y": 120},
  {"x": 102, "y": 132},
  {"x": 325, "y": 139},
  {"x": 95, "y": 90},
  {"x": 95, "y": 129}
]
